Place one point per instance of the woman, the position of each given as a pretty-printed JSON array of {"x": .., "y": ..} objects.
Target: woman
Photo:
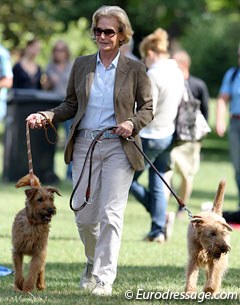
[
  {"x": 58, "y": 71},
  {"x": 27, "y": 73},
  {"x": 104, "y": 89},
  {"x": 167, "y": 89}
]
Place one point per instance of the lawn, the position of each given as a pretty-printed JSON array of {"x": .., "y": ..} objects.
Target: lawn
[{"x": 147, "y": 266}]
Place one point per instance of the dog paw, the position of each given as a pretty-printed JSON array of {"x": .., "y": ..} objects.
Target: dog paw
[
  {"x": 210, "y": 289},
  {"x": 41, "y": 286},
  {"x": 18, "y": 284},
  {"x": 190, "y": 290},
  {"x": 17, "y": 289}
]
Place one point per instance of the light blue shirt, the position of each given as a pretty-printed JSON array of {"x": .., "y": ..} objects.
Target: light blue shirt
[
  {"x": 100, "y": 109},
  {"x": 232, "y": 89}
]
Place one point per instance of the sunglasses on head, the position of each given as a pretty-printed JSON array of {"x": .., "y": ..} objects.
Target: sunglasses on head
[{"x": 107, "y": 32}]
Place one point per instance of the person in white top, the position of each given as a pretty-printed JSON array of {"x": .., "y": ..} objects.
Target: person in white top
[{"x": 167, "y": 90}]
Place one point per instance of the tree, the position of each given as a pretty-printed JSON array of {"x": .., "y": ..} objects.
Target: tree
[{"x": 213, "y": 47}]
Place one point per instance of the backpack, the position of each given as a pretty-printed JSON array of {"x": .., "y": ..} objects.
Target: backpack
[{"x": 190, "y": 124}]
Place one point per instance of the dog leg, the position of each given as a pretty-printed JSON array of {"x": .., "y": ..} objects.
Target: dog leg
[
  {"x": 214, "y": 273},
  {"x": 18, "y": 264},
  {"x": 41, "y": 279},
  {"x": 34, "y": 269},
  {"x": 191, "y": 276}
]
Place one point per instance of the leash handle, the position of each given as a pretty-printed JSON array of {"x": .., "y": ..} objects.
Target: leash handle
[{"x": 45, "y": 126}]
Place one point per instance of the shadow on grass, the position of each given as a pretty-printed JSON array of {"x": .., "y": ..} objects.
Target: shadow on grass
[
  {"x": 215, "y": 149},
  {"x": 63, "y": 279}
]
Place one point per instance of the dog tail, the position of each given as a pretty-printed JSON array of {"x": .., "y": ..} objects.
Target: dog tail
[
  {"x": 218, "y": 201},
  {"x": 25, "y": 181}
]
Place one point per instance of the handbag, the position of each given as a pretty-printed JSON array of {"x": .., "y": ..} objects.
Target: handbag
[
  {"x": 201, "y": 126},
  {"x": 190, "y": 124}
]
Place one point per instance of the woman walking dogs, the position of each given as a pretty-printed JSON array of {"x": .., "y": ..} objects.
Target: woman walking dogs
[{"x": 104, "y": 89}]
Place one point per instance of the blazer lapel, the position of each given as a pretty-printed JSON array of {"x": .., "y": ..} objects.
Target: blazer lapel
[
  {"x": 90, "y": 72},
  {"x": 121, "y": 73}
]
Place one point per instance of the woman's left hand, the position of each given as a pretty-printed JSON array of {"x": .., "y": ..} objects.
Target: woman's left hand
[{"x": 124, "y": 129}]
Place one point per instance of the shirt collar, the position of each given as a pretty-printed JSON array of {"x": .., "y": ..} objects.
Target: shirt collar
[{"x": 114, "y": 62}]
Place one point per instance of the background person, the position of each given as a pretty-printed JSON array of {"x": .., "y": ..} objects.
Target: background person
[
  {"x": 229, "y": 94},
  {"x": 167, "y": 90},
  {"x": 6, "y": 79},
  {"x": 26, "y": 72},
  {"x": 102, "y": 91},
  {"x": 127, "y": 50},
  {"x": 185, "y": 156},
  {"x": 57, "y": 72}
]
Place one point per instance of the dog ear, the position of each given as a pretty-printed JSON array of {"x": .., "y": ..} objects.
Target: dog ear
[
  {"x": 197, "y": 220},
  {"x": 30, "y": 192},
  {"x": 53, "y": 189},
  {"x": 229, "y": 228}
]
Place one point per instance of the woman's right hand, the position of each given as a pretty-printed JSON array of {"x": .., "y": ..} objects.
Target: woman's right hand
[{"x": 36, "y": 120}]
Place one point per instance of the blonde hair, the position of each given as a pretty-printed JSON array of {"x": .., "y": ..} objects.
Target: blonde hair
[
  {"x": 157, "y": 42},
  {"x": 121, "y": 16}
]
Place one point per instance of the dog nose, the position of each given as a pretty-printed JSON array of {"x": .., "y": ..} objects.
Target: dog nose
[
  {"x": 224, "y": 249},
  {"x": 50, "y": 210}
]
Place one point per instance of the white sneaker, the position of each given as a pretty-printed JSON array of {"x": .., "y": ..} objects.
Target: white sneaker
[
  {"x": 159, "y": 239},
  {"x": 102, "y": 289},
  {"x": 169, "y": 224},
  {"x": 87, "y": 280}
]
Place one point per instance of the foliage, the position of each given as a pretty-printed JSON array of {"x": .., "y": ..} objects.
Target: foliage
[
  {"x": 212, "y": 45},
  {"x": 23, "y": 19},
  {"x": 77, "y": 36},
  {"x": 208, "y": 29}
]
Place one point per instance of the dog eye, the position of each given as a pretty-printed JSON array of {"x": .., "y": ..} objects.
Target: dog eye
[
  {"x": 40, "y": 199},
  {"x": 213, "y": 233}
]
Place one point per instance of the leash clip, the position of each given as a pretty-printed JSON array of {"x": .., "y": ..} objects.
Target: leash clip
[
  {"x": 190, "y": 216},
  {"x": 130, "y": 139},
  {"x": 88, "y": 200}
]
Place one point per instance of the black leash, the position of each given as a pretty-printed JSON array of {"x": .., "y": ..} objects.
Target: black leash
[
  {"x": 178, "y": 199},
  {"x": 88, "y": 190}
]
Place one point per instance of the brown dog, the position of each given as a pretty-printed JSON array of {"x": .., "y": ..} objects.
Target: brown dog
[
  {"x": 30, "y": 233},
  {"x": 208, "y": 246}
]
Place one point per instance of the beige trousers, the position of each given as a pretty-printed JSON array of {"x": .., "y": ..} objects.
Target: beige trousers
[{"x": 100, "y": 223}]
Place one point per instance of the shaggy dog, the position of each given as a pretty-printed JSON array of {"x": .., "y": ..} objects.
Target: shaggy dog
[
  {"x": 30, "y": 233},
  {"x": 208, "y": 246}
]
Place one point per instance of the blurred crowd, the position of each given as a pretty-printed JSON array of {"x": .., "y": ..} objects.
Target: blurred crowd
[{"x": 167, "y": 69}]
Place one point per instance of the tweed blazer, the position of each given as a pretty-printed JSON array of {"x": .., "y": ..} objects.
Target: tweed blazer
[{"x": 132, "y": 101}]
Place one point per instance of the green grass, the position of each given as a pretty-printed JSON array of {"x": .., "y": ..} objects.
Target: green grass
[{"x": 152, "y": 267}]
